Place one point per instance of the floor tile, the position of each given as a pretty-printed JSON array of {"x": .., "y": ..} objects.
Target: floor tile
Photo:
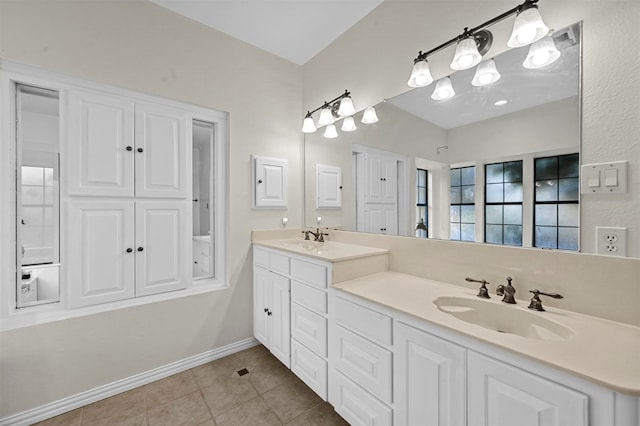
[
  {"x": 185, "y": 411},
  {"x": 125, "y": 408},
  {"x": 226, "y": 393},
  {"x": 255, "y": 412},
  {"x": 320, "y": 415},
  {"x": 208, "y": 423},
  {"x": 225, "y": 367},
  {"x": 269, "y": 374},
  {"x": 290, "y": 399},
  {"x": 170, "y": 388},
  {"x": 72, "y": 418}
]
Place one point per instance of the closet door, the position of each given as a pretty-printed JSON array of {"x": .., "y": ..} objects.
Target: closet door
[
  {"x": 100, "y": 153},
  {"x": 161, "y": 249},
  {"x": 100, "y": 252},
  {"x": 161, "y": 151}
]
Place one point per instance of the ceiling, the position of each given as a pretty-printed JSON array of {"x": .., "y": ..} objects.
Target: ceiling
[{"x": 295, "y": 30}]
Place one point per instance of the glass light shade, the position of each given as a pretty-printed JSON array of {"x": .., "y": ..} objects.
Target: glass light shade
[
  {"x": 466, "y": 55},
  {"x": 346, "y": 107},
  {"x": 420, "y": 74},
  {"x": 527, "y": 28},
  {"x": 308, "y": 126},
  {"x": 370, "y": 116},
  {"x": 330, "y": 132},
  {"x": 326, "y": 117},
  {"x": 486, "y": 74},
  {"x": 541, "y": 53},
  {"x": 348, "y": 125},
  {"x": 444, "y": 90}
]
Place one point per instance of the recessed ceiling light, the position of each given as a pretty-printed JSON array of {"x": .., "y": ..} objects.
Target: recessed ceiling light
[{"x": 501, "y": 102}]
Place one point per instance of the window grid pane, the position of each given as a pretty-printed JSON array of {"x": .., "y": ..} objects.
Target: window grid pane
[
  {"x": 503, "y": 203},
  {"x": 462, "y": 204}
]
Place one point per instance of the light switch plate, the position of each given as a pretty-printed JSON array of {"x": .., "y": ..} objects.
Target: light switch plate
[{"x": 604, "y": 178}]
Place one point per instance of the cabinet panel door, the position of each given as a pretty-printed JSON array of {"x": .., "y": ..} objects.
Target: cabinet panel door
[
  {"x": 270, "y": 182},
  {"x": 355, "y": 405},
  {"x": 502, "y": 395},
  {"x": 328, "y": 186},
  {"x": 279, "y": 324},
  {"x": 429, "y": 379},
  {"x": 161, "y": 265},
  {"x": 161, "y": 134},
  {"x": 260, "y": 304},
  {"x": 309, "y": 367},
  {"x": 309, "y": 328},
  {"x": 373, "y": 179},
  {"x": 389, "y": 190},
  {"x": 100, "y": 269},
  {"x": 100, "y": 145},
  {"x": 381, "y": 218}
]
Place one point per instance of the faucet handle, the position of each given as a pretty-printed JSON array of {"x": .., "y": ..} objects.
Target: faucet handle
[
  {"x": 536, "y": 303},
  {"x": 306, "y": 234},
  {"x": 483, "y": 292}
]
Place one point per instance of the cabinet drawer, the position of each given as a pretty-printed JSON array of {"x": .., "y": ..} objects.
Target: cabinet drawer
[
  {"x": 310, "y": 368},
  {"x": 309, "y": 297},
  {"x": 260, "y": 256},
  {"x": 366, "y": 363},
  {"x": 370, "y": 324},
  {"x": 356, "y": 405},
  {"x": 279, "y": 263},
  {"x": 309, "y": 329},
  {"x": 309, "y": 273}
]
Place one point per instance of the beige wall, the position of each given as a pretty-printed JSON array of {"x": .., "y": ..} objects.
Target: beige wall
[
  {"x": 373, "y": 60},
  {"x": 143, "y": 47}
]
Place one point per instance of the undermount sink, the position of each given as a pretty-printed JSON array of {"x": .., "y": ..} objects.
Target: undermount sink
[{"x": 503, "y": 318}]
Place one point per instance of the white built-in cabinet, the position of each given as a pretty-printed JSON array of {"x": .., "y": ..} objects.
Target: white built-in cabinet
[
  {"x": 131, "y": 237},
  {"x": 381, "y": 185},
  {"x": 381, "y": 218},
  {"x": 270, "y": 182},
  {"x": 328, "y": 187}
]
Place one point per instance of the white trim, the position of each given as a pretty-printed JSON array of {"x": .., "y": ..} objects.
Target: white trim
[{"x": 81, "y": 399}]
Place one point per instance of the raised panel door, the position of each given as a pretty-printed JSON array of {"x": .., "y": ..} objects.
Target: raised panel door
[
  {"x": 328, "y": 186},
  {"x": 373, "y": 179},
  {"x": 161, "y": 151},
  {"x": 100, "y": 252},
  {"x": 100, "y": 154},
  {"x": 161, "y": 258},
  {"x": 429, "y": 379},
  {"x": 271, "y": 182},
  {"x": 279, "y": 323},
  {"x": 389, "y": 186},
  {"x": 260, "y": 304}
]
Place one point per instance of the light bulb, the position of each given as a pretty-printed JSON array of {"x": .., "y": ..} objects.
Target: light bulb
[
  {"x": 369, "y": 116},
  {"x": 420, "y": 74},
  {"x": 444, "y": 90},
  {"x": 348, "y": 125},
  {"x": 308, "y": 126},
  {"x": 542, "y": 53},
  {"x": 326, "y": 116},
  {"x": 486, "y": 74},
  {"x": 330, "y": 132},
  {"x": 528, "y": 28},
  {"x": 466, "y": 55},
  {"x": 346, "y": 107}
]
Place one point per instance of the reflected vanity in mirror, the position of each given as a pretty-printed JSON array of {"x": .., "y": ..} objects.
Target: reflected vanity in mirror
[
  {"x": 496, "y": 163},
  {"x": 201, "y": 197}
]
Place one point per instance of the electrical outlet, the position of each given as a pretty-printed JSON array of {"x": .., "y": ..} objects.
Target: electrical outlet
[{"x": 611, "y": 241}]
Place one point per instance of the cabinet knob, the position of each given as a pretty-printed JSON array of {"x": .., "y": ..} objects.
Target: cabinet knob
[
  {"x": 259, "y": 180},
  {"x": 140, "y": 149},
  {"x": 269, "y": 313},
  {"x": 129, "y": 250},
  {"x": 266, "y": 310},
  {"x": 140, "y": 248},
  {"x": 195, "y": 200},
  {"x": 129, "y": 148}
]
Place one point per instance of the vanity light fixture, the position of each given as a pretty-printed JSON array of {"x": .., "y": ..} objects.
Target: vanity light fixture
[
  {"x": 330, "y": 132},
  {"x": 308, "y": 126},
  {"x": 542, "y": 53},
  {"x": 340, "y": 108},
  {"x": 486, "y": 74},
  {"x": 348, "y": 125},
  {"x": 326, "y": 116},
  {"x": 444, "y": 90},
  {"x": 369, "y": 116},
  {"x": 474, "y": 43}
]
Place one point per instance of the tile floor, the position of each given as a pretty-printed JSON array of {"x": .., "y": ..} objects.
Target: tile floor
[{"x": 214, "y": 395}]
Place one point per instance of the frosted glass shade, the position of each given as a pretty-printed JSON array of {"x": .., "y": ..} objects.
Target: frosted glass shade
[
  {"x": 466, "y": 56},
  {"x": 346, "y": 107},
  {"x": 444, "y": 90},
  {"x": 541, "y": 53},
  {"x": 348, "y": 124},
  {"x": 486, "y": 74},
  {"x": 420, "y": 74},
  {"x": 326, "y": 117},
  {"x": 527, "y": 28},
  {"x": 308, "y": 126},
  {"x": 330, "y": 132},
  {"x": 369, "y": 116}
]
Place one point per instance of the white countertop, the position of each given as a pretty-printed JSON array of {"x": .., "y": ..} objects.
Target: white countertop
[
  {"x": 601, "y": 351},
  {"x": 329, "y": 251}
]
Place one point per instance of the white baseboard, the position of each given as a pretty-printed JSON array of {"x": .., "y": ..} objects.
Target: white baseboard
[{"x": 81, "y": 399}]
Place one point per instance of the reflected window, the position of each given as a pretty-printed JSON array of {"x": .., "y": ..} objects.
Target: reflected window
[
  {"x": 556, "y": 200},
  {"x": 503, "y": 203},
  {"x": 462, "y": 217},
  {"x": 422, "y": 228}
]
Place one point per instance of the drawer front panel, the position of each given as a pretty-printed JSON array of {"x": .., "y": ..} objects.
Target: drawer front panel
[
  {"x": 309, "y": 273},
  {"x": 260, "y": 257},
  {"x": 370, "y": 324},
  {"x": 357, "y": 406},
  {"x": 310, "y": 368},
  {"x": 309, "y": 297},
  {"x": 309, "y": 329},
  {"x": 366, "y": 363},
  {"x": 279, "y": 263}
]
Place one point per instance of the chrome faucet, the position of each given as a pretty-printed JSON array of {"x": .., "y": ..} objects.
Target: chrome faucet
[
  {"x": 306, "y": 234},
  {"x": 507, "y": 292},
  {"x": 317, "y": 236},
  {"x": 483, "y": 292},
  {"x": 536, "y": 303}
]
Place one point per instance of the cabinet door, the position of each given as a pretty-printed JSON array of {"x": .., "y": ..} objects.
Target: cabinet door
[
  {"x": 279, "y": 325},
  {"x": 260, "y": 304},
  {"x": 381, "y": 219},
  {"x": 429, "y": 379},
  {"x": 389, "y": 190},
  {"x": 100, "y": 145},
  {"x": 380, "y": 179},
  {"x": 161, "y": 151},
  {"x": 161, "y": 252},
  {"x": 270, "y": 182},
  {"x": 502, "y": 395},
  {"x": 100, "y": 269},
  {"x": 328, "y": 187}
]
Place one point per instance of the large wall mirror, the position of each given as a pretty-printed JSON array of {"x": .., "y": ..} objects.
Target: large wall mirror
[{"x": 496, "y": 163}]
